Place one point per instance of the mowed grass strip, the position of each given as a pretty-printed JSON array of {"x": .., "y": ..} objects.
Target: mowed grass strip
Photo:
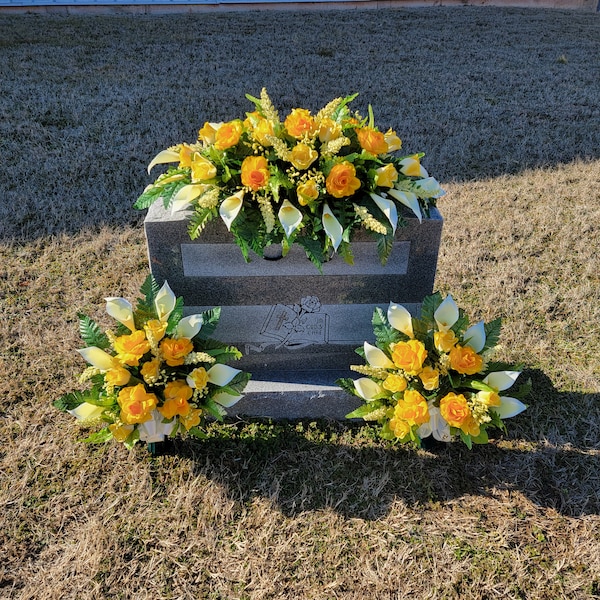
[{"x": 505, "y": 103}]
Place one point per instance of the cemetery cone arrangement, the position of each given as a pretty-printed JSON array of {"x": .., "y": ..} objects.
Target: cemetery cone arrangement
[
  {"x": 432, "y": 376},
  {"x": 309, "y": 179},
  {"x": 157, "y": 374}
]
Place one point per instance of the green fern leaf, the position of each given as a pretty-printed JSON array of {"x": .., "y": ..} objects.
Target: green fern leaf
[{"x": 91, "y": 333}]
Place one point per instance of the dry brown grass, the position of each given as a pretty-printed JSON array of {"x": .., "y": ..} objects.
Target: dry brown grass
[{"x": 301, "y": 510}]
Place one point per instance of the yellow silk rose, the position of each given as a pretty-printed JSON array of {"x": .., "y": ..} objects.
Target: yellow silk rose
[
  {"x": 136, "y": 404},
  {"x": 175, "y": 350},
  {"x": 394, "y": 383},
  {"x": 444, "y": 340},
  {"x": 386, "y": 176},
  {"x": 155, "y": 330},
  {"x": 465, "y": 360},
  {"x": 299, "y": 123},
  {"x": 412, "y": 408},
  {"x": 307, "y": 192},
  {"x": 255, "y": 172},
  {"x": 400, "y": 427},
  {"x": 455, "y": 410},
  {"x": 342, "y": 180},
  {"x": 177, "y": 393},
  {"x": 302, "y": 156},
  {"x": 409, "y": 356},
  {"x": 150, "y": 371},
  {"x": 371, "y": 140},
  {"x": 192, "y": 419},
  {"x": 228, "y": 134},
  {"x": 130, "y": 348}
]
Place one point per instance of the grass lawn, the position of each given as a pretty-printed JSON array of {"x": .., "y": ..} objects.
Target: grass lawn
[{"x": 506, "y": 105}]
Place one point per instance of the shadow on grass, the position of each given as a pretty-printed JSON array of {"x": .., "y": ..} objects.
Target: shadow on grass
[{"x": 306, "y": 466}]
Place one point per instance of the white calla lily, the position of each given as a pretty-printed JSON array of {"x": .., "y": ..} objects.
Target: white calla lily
[
  {"x": 436, "y": 426},
  {"x": 189, "y": 327},
  {"x": 86, "y": 412},
  {"x": 429, "y": 188},
  {"x": 221, "y": 374},
  {"x": 376, "y": 357},
  {"x": 400, "y": 319},
  {"x": 166, "y": 156},
  {"x": 509, "y": 407},
  {"x": 98, "y": 358},
  {"x": 186, "y": 195},
  {"x": 474, "y": 337},
  {"x": 230, "y": 207},
  {"x": 367, "y": 388},
  {"x": 446, "y": 314},
  {"x": 501, "y": 380},
  {"x": 165, "y": 302},
  {"x": 332, "y": 227},
  {"x": 408, "y": 199},
  {"x": 289, "y": 217},
  {"x": 121, "y": 310},
  {"x": 226, "y": 400},
  {"x": 388, "y": 208},
  {"x": 155, "y": 430}
]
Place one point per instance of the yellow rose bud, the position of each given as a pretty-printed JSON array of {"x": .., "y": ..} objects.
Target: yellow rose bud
[
  {"x": 465, "y": 360},
  {"x": 185, "y": 155},
  {"x": 228, "y": 135},
  {"x": 262, "y": 130},
  {"x": 489, "y": 398},
  {"x": 307, "y": 192},
  {"x": 198, "y": 378},
  {"x": 409, "y": 356},
  {"x": 202, "y": 168},
  {"x": 302, "y": 156},
  {"x": 386, "y": 176},
  {"x": 155, "y": 331},
  {"x": 342, "y": 180},
  {"x": 255, "y": 172},
  {"x": 175, "y": 350},
  {"x": 393, "y": 141},
  {"x": 117, "y": 376},
  {"x": 207, "y": 133},
  {"x": 430, "y": 378},
  {"x": 329, "y": 130},
  {"x": 130, "y": 348},
  {"x": 120, "y": 431}
]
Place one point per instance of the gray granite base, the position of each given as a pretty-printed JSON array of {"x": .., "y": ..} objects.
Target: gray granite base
[{"x": 296, "y": 328}]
